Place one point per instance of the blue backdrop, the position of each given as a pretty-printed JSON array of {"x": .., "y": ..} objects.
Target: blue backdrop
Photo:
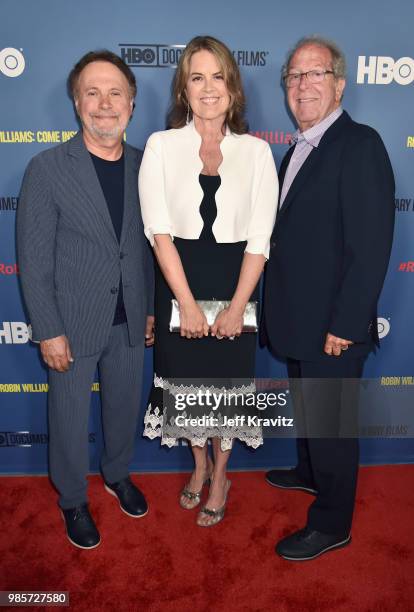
[{"x": 40, "y": 42}]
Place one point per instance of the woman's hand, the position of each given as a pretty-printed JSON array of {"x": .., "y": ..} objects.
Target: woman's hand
[
  {"x": 193, "y": 323},
  {"x": 228, "y": 323}
]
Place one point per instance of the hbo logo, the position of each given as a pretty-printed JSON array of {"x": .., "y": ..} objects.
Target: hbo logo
[
  {"x": 14, "y": 332},
  {"x": 383, "y": 327},
  {"x": 11, "y": 62},
  {"x": 381, "y": 70}
]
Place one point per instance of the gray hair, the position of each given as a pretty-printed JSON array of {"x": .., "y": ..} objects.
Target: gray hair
[{"x": 338, "y": 58}]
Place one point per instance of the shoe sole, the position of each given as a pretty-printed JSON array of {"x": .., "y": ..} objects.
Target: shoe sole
[
  {"x": 73, "y": 542},
  {"x": 333, "y": 547},
  {"x": 136, "y": 516},
  {"x": 293, "y": 488}
]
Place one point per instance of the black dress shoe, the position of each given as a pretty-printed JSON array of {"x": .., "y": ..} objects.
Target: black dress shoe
[
  {"x": 80, "y": 527},
  {"x": 288, "y": 479},
  {"x": 307, "y": 544},
  {"x": 130, "y": 498}
]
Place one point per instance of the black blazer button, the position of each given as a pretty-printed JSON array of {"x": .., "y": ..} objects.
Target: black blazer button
[
  {"x": 114, "y": 290},
  {"x": 121, "y": 255}
]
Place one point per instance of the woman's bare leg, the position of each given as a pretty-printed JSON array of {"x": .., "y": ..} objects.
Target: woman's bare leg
[
  {"x": 219, "y": 483},
  {"x": 202, "y": 470}
]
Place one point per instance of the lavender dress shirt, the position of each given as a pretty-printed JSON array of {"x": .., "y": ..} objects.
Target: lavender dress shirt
[{"x": 304, "y": 143}]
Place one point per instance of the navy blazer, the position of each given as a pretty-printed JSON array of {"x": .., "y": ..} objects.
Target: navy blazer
[
  {"x": 331, "y": 246},
  {"x": 69, "y": 256}
]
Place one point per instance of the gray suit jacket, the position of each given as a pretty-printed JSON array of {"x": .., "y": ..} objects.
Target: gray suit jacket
[{"x": 69, "y": 257}]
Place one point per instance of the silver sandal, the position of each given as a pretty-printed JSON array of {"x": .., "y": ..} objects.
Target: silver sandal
[
  {"x": 217, "y": 515},
  {"x": 193, "y": 496}
]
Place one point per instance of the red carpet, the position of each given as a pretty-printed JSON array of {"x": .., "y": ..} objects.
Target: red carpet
[{"x": 164, "y": 562}]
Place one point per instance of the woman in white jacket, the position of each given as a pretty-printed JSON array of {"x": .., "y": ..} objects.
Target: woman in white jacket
[{"x": 208, "y": 194}]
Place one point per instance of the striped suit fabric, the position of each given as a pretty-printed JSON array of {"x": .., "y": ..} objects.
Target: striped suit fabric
[{"x": 71, "y": 264}]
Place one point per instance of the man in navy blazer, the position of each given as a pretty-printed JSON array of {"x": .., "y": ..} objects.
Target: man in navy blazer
[
  {"x": 87, "y": 279},
  {"x": 329, "y": 255}
]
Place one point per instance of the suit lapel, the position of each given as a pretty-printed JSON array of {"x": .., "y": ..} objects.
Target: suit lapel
[
  {"x": 130, "y": 190},
  {"x": 87, "y": 178},
  {"x": 305, "y": 171},
  {"x": 282, "y": 171},
  {"x": 284, "y": 165}
]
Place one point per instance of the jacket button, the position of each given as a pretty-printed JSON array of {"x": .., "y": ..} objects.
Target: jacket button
[
  {"x": 114, "y": 290},
  {"x": 272, "y": 245},
  {"x": 121, "y": 255}
]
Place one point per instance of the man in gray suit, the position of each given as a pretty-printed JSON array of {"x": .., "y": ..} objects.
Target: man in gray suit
[{"x": 87, "y": 278}]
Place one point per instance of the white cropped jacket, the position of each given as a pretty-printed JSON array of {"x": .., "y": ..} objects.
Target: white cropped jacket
[{"x": 170, "y": 192}]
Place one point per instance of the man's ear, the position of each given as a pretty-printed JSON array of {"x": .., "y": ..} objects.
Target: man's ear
[
  {"x": 131, "y": 109},
  {"x": 339, "y": 89}
]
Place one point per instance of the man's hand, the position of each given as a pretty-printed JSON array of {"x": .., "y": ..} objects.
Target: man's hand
[
  {"x": 335, "y": 345},
  {"x": 149, "y": 331},
  {"x": 56, "y": 353}
]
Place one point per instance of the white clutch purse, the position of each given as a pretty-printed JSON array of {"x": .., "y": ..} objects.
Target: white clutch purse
[{"x": 211, "y": 308}]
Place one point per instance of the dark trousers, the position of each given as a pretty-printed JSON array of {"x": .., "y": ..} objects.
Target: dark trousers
[
  {"x": 325, "y": 400},
  {"x": 120, "y": 375}
]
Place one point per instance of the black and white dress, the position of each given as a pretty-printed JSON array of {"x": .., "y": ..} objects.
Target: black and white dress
[{"x": 212, "y": 270}]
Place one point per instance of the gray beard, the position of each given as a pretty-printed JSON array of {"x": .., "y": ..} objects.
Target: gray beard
[{"x": 115, "y": 132}]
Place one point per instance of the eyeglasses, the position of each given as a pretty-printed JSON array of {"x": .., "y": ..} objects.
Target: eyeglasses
[{"x": 313, "y": 76}]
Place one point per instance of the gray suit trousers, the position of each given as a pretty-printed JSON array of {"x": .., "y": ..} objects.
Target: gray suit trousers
[{"x": 120, "y": 374}]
